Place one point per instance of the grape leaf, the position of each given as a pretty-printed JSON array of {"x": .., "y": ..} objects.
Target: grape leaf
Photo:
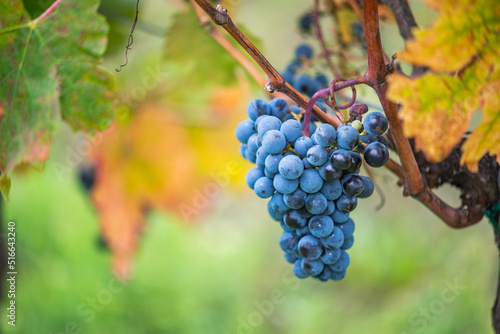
[
  {"x": 190, "y": 47},
  {"x": 156, "y": 162},
  {"x": 459, "y": 34},
  {"x": 49, "y": 69},
  {"x": 486, "y": 137},
  {"x": 462, "y": 50}
]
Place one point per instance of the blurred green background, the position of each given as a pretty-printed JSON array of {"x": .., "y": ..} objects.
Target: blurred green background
[{"x": 409, "y": 273}]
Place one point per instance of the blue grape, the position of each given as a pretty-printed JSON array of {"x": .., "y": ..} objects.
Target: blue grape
[
  {"x": 330, "y": 256},
  {"x": 291, "y": 167},
  {"x": 316, "y": 203},
  {"x": 261, "y": 156},
  {"x": 273, "y": 141},
  {"x": 295, "y": 109},
  {"x": 254, "y": 142},
  {"x": 306, "y": 163},
  {"x": 277, "y": 205},
  {"x": 321, "y": 226},
  {"x": 310, "y": 181},
  {"x": 291, "y": 257},
  {"x": 368, "y": 189},
  {"x": 322, "y": 80},
  {"x": 306, "y": 22},
  {"x": 244, "y": 130},
  {"x": 341, "y": 159},
  {"x": 284, "y": 185},
  {"x": 258, "y": 108},
  {"x": 295, "y": 200},
  {"x": 368, "y": 139},
  {"x": 283, "y": 225},
  {"x": 356, "y": 162},
  {"x": 243, "y": 149},
  {"x": 288, "y": 76},
  {"x": 376, "y": 154},
  {"x": 313, "y": 138},
  {"x": 375, "y": 123},
  {"x": 328, "y": 172},
  {"x": 279, "y": 108},
  {"x": 268, "y": 123},
  {"x": 269, "y": 174},
  {"x": 346, "y": 203},
  {"x": 339, "y": 217},
  {"x": 312, "y": 267},
  {"x": 343, "y": 262},
  {"x": 325, "y": 135},
  {"x": 288, "y": 242},
  {"x": 253, "y": 175},
  {"x": 347, "y": 243},
  {"x": 250, "y": 155},
  {"x": 331, "y": 189},
  {"x": 330, "y": 208},
  {"x": 334, "y": 239},
  {"x": 337, "y": 276},
  {"x": 258, "y": 120},
  {"x": 347, "y": 137},
  {"x": 306, "y": 85},
  {"x": 272, "y": 162},
  {"x": 264, "y": 187},
  {"x": 310, "y": 247},
  {"x": 297, "y": 270},
  {"x": 293, "y": 219},
  {"x": 274, "y": 215},
  {"x": 300, "y": 232},
  {"x": 294, "y": 66},
  {"x": 325, "y": 274},
  {"x": 347, "y": 227},
  {"x": 317, "y": 155},
  {"x": 353, "y": 184},
  {"x": 304, "y": 213},
  {"x": 292, "y": 130},
  {"x": 304, "y": 51}
]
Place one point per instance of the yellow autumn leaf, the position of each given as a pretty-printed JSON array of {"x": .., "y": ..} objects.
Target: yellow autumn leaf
[
  {"x": 432, "y": 112},
  {"x": 486, "y": 137},
  {"x": 461, "y": 49},
  {"x": 459, "y": 34}
]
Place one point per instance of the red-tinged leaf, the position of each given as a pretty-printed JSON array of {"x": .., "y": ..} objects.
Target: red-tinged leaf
[{"x": 49, "y": 69}]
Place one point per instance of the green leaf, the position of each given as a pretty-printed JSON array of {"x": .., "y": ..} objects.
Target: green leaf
[
  {"x": 5, "y": 186},
  {"x": 190, "y": 47},
  {"x": 49, "y": 69}
]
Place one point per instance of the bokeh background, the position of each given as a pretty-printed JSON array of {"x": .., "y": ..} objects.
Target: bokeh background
[{"x": 223, "y": 272}]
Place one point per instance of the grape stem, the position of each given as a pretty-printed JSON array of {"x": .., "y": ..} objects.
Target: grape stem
[
  {"x": 329, "y": 92},
  {"x": 414, "y": 183},
  {"x": 275, "y": 80},
  {"x": 49, "y": 11},
  {"x": 319, "y": 35},
  {"x": 230, "y": 48}
]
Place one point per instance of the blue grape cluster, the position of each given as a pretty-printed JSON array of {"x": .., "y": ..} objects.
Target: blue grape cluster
[
  {"x": 302, "y": 82},
  {"x": 313, "y": 182}
]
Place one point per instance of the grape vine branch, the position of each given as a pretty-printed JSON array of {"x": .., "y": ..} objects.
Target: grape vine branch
[{"x": 375, "y": 77}]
